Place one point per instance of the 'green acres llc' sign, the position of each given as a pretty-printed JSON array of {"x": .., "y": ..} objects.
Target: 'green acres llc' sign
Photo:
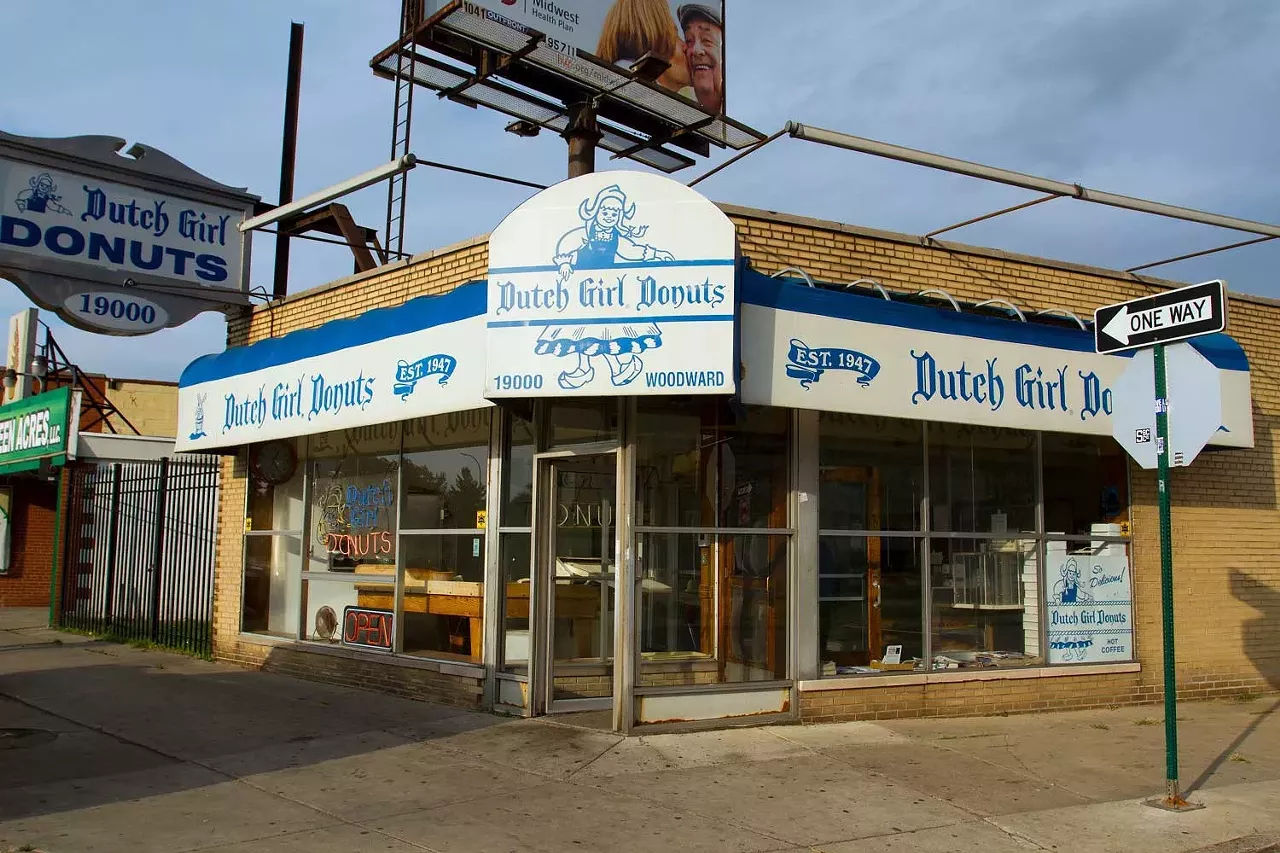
[{"x": 33, "y": 430}]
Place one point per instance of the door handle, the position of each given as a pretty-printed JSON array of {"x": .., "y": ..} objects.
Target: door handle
[{"x": 875, "y": 594}]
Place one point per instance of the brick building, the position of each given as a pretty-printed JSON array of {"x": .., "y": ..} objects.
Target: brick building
[{"x": 895, "y": 515}]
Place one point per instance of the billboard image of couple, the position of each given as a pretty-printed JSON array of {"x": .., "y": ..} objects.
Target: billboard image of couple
[{"x": 690, "y": 36}]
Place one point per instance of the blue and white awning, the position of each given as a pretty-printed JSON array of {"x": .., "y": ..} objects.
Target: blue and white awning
[
  {"x": 424, "y": 357},
  {"x": 813, "y": 348},
  {"x": 800, "y": 347}
]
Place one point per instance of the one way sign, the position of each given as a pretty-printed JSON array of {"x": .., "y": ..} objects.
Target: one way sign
[{"x": 1187, "y": 312}]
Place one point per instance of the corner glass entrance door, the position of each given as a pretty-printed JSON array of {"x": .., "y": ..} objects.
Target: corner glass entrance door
[{"x": 580, "y": 577}]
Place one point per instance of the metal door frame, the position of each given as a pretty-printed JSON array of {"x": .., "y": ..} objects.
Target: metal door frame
[{"x": 542, "y": 669}]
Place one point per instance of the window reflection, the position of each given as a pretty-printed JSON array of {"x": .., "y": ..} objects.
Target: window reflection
[
  {"x": 1086, "y": 485},
  {"x": 446, "y": 467},
  {"x": 586, "y": 421},
  {"x": 871, "y": 473},
  {"x": 517, "y": 487},
  {"x": 982, "y": 479},
  {"x": 443, "y": 606},
  {"x": 713, "y": 605},
  {"x": 700, "y": 464},
  {"x": 869, "y": 599},
  {"x": 986, "y": 603}
]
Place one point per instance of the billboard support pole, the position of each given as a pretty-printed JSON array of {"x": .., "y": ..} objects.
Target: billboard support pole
[
  {"x": 288, "y": 152},
  {"x": 582, "y": 134}
]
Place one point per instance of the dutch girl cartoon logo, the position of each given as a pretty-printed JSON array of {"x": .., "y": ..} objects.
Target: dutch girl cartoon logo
[
  {"x": 1068, "y": 589},
  {"x": 41, "y": 197},
  {"x": 199, "y": 433},
  {"x": 606, "y": 238}
]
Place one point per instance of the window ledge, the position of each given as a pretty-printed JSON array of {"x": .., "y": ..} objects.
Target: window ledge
[
  {"x": 917, "y": 679},
  {"x": 464, "y": 670}
]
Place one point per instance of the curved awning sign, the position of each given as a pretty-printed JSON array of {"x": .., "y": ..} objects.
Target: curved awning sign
[{"x": 612, "y": 284}]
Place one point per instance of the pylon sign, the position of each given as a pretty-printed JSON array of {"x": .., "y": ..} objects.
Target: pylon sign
[{"x": 116, "y": 244}]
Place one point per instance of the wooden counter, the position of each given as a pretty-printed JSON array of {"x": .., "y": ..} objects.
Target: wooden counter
[{"x": 464, "y": 599}]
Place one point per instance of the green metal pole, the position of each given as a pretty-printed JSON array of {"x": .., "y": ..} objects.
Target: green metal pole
[{"x": 1173, "y": 796}]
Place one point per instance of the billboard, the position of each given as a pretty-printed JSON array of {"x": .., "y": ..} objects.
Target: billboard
[
  {"x": 688, "y": 35},
  {"x": 121, "y": 245}
]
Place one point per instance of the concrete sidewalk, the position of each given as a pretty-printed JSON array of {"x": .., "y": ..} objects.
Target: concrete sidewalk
[{"x": 108, "y": 748}]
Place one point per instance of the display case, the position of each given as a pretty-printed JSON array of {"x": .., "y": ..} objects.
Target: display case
[{"x": 989, "y": 578}]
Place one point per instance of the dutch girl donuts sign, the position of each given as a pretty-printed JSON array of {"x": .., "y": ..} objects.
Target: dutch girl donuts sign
[{"x": 610, "y": 284}]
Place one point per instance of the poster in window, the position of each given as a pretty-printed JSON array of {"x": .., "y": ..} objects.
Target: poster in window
[{"x": 1090, "y": 606}]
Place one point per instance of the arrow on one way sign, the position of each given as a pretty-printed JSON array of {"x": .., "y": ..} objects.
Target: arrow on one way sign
[{"x": 1173, "y": 316}]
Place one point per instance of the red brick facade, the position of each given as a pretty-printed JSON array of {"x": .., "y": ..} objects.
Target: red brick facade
[{"x": 26, "y": 584}]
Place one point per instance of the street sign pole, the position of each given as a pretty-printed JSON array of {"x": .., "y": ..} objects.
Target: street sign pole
[
  {"x": 1172, "y": 793},
  {"x": 1153, "y": 322}
]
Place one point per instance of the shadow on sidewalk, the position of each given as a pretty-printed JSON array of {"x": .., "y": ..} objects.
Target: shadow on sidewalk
[{"x": 76, "y": 734}]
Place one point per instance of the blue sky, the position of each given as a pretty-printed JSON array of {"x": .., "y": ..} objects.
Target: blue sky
[{"x": 1167, "y": 99}]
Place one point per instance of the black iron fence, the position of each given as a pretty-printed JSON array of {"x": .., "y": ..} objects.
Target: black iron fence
[{"x": 140, "y": 542}]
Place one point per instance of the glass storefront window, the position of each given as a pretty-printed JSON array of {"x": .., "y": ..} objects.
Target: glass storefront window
[
  {"x": 713, "y": 599},
  {"x": 445, "y": 469},
  {"x": 589, "y": 421},
  {"x": 270, "y": 594},
  {"x": 753, "y": 578},
  {"x": 871, "y": 473},
  {"x": 869, "y": 599},
  {"x": 354, "y": 509},
  {"x": 445, "y": 476},
  {"x": 1086, "y": 485},
  {"x": 699, "y": 464},
  {"x": 986, "y": 603},
  {"x": 517, "y": 562},
  {"x": 713, "y": 608},
  {"x": 677, "y": 595},
  {"x": 325, "y": 598},
  {"x": 443, "y": 606},
  {"x": 753, "y": 455},
  {"x": 517, "y": 473},
  {"x": 982, "y": 479}
]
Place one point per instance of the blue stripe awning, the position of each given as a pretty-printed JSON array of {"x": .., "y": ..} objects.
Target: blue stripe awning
[
  {"x": 794, "y": 295},
  {"x": 424, "y": 312}
]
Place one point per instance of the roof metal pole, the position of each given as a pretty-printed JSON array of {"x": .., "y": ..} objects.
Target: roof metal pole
[
  {"x": 735, "y": 158},
  {"x": 992, "y": 215},
  {"x": 338, "y": 190},
  {"x": 1018, "y": 179},
  {"x": 1200, "y": 254}
]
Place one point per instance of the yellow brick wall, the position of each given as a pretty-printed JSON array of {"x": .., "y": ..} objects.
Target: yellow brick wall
[
  {"x": 152, "y": 407},
  {"x": 1226, "y": 518}
]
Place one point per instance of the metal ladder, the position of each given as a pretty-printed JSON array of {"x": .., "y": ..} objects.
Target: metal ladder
[{"x": 402, "y": 123}]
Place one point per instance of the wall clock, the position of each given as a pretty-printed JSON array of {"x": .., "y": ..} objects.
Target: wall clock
[{"x": 273, "y": 462}]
